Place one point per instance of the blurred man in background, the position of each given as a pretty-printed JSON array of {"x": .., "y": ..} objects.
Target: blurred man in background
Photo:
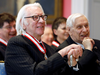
[
  {"x": 47, "y": 37},
  {"x": 7, "y": 31}
]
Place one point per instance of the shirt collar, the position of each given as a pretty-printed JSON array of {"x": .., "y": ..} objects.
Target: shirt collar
[{"x": 81, "y": 45}]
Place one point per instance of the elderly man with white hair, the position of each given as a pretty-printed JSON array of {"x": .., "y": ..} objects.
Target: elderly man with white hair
[{"x": 78, "y": 28}]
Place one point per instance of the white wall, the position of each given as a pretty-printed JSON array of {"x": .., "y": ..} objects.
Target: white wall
[
  {"x": 94, "y": 18},
  {"x": 80, "y": 6}
]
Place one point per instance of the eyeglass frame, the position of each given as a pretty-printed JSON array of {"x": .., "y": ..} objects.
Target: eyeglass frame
[{"x": 38, "y": 17}]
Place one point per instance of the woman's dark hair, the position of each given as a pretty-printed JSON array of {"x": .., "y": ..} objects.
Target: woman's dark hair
[{"x": 56, "y": 24}]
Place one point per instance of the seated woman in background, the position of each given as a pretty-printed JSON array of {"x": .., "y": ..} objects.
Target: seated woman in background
[{"x": 59, "y": 31}]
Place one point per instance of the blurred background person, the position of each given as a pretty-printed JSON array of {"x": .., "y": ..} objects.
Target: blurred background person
[
  {"x": 47, "y": 37},
  {"x": 7, "y": 31},
  {"x": 59, "y": 31}
]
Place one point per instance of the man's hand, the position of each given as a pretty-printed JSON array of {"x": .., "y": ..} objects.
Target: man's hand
[
  {"x": 88, "y": 43},
  {"x": 75, "y": 50}
]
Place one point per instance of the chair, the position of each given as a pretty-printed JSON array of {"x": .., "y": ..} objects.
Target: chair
[{"x": 2, "y": 68}]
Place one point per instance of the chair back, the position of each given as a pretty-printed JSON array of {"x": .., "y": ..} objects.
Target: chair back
[{"x": 2, "y": 68}]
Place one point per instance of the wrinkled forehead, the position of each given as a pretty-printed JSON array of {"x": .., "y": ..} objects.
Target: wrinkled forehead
[{"x": 81, "y": 20}]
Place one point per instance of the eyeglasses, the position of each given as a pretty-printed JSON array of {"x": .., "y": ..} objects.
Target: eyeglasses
[{"x": 37, "y": 17}]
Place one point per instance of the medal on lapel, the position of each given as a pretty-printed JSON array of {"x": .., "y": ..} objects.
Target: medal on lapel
[{"x": 45, "y": 56}]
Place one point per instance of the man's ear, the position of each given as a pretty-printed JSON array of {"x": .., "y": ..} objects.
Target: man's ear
[
  {"x": 55, "y": 31},
  {"x": 23, "y": 25}
]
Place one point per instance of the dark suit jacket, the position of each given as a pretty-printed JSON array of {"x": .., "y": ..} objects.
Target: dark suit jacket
[
  {"x": 88, "y": 62},
  {"x": 2, "y": 51},
  {"x": 24, "y": 58}
]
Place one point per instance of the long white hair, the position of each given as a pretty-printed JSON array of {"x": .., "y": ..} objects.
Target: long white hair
[{"x": 22, "y": 14}]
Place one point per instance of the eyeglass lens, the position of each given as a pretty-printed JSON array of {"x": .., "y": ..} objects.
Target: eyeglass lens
[{"x": 37, "y": 17}]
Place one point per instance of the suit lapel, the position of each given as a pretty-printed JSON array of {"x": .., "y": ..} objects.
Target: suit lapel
[{"x": 33, "y": 50}]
